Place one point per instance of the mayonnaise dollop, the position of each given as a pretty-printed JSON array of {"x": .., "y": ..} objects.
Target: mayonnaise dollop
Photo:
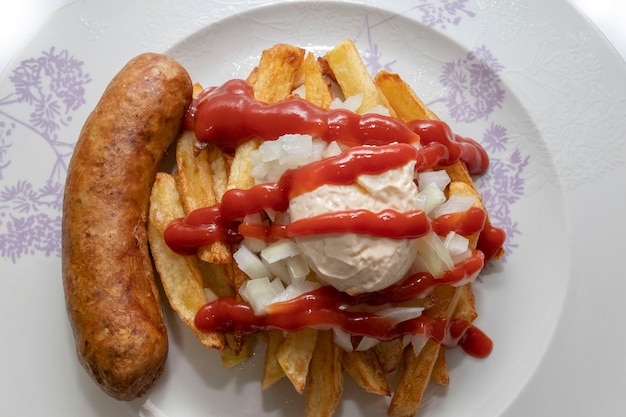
[{"x": 359, "y": 263}]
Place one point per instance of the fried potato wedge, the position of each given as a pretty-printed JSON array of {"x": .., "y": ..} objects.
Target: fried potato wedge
[
  {"x": 180, "y": 275},
  {"x": 352, "y": 76},
  {"x": 325, "y": 378}
]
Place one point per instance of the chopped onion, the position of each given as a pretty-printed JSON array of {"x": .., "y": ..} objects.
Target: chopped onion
[
  {"x": 332, "y": 149},
  {"x": 300, "y": 91},
  {"x": 418, "y": 341},
  {"x": 440, "y": 178},
  {"x": 259, "y": 293},
  {"x": 434, "y": 197},
  {"x": 279, "y": 250},
  {"x": 400, "y": 314},
  {"x": 294, "y": 290},
  {"x": 342, "y": 339},
  {"x": 250, "y": 263},
  {"x": 432, "y": 255},
  {"x": 367, "y": 343},
  {"x": 298, "y": 268},
  {"x": 351, "y": 103},
  {"x": 455, "y": 204},
  {"x": 458, "y": 247}
]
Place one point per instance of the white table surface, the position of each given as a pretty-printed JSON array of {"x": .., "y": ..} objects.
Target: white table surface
[{"x": 19, "y": 21}]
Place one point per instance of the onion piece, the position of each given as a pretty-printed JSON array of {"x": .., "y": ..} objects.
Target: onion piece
[
  {"x": 259, "y": 293},
  {"x": 432, "y": 255},
  {"x": 250, "y": 263},
  {"x": 400, "y": 314},
  {"x": 367, "y": 343},
  {"x": 298, "y": 268},
  {"x": 434, "y": 197},
  {"x": 458, "y": 247},
  {"x": 455, "y": 204},
  {"x": 342, "y": 339},
  {"x": 440, "y": 178},
  {"x": 279, "y": 250},
  {"x": 294, "y": 290}
]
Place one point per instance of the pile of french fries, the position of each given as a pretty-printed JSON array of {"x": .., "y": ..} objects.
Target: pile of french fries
[{"x": 309, "y": 358}]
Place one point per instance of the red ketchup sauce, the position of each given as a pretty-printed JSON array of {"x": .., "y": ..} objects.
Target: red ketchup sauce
[{"x": 229, "y": 115}]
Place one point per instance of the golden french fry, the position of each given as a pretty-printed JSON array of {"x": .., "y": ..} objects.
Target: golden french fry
[
  {"x": 407, "y": 105},
  {"x": 272, "y": 370},
  {"x": 195, "y": 184},
  {"x": 219, "y": 170},
  {"x": 389, "y": 354},
  {"x": 367, "y": 371},
  {"x": 180, "y": 275},
  {"x": 214, "y": 278},
  {"x": 317, "y": 90},
  {"x": 353, "y": 78},
  {"x": 278, "y": 73},
  {"x": 294, "y": 355},
  {"x": 325, "y": 380},
  {"x": 233, "y": 356},
  {"x": 415, "y": 377},
  {"x": 440, "y": 374},
  {"x": 240, "y": 176}
]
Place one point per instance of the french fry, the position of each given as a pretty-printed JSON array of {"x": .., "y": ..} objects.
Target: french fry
[
  {"x": 352, "y": 76},
  {"x": 240, "y": 170},
  {"x": 414, "y": 379},
  {"x": 401, "y": 97},
  {"x": 294, "y": 356},
  {"x": 180, "y": 275},
  {"x": 389, "y": 354},
  {"x": 325, "y": 378},
  {"x": 278, "y": 73},
  {"x": 272, "y": 370},
  {"x": 367, "y": 371},
  {"x": 439, "y": 373},
  {"x": 195, "y": 184},
  {"x": 317, "y": 90}
]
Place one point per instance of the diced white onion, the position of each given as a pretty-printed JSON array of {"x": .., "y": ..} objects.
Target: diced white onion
[
  {"x": 458, "y": 247},
  {"x": 432, "y": 255},
  {"x": 400, "y": 314},
  {"x": 418, "y": 341},
  {"x": 300, "y": 91},
  {"x": 296, "y": 289},
  {"x": 434, "y": 197},
  {"x": 367, "y": 343},
  {"x": 298, "y": 268},
  {"x": 259, "y": 293},
  {"x": 455, "y": 204},
  {"x": 440, "y": 178},
  {"x": 351, "y": 103},
  {"x": 332, "y": 149},
  {"x": 342, "y": 339},
  {"x": 279, "y": 250},
  {"x": 250, "y": 263}
]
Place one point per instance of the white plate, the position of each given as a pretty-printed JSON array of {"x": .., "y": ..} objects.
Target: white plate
[{"x": 534, "y": 82}]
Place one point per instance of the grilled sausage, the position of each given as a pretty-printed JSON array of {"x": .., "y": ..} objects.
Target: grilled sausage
[{"x": 110, "y": 291}]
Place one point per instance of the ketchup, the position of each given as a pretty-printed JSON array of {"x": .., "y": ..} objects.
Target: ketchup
[{"x": 229, "y": 115}]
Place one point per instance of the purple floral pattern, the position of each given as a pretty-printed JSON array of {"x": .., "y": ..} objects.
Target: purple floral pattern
[
  {"x": 52, "y": 87},
  {"x": 443, "y": 13},
  {"x": 473, "y": 86},
  {"x": 503, "y": 184}
]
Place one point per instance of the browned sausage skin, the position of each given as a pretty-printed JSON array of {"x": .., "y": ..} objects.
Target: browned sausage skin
[{"x": 110, "y": 291}]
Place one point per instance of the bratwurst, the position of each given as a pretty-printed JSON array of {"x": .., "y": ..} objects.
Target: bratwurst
[{"x": 110, "y": 291}]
